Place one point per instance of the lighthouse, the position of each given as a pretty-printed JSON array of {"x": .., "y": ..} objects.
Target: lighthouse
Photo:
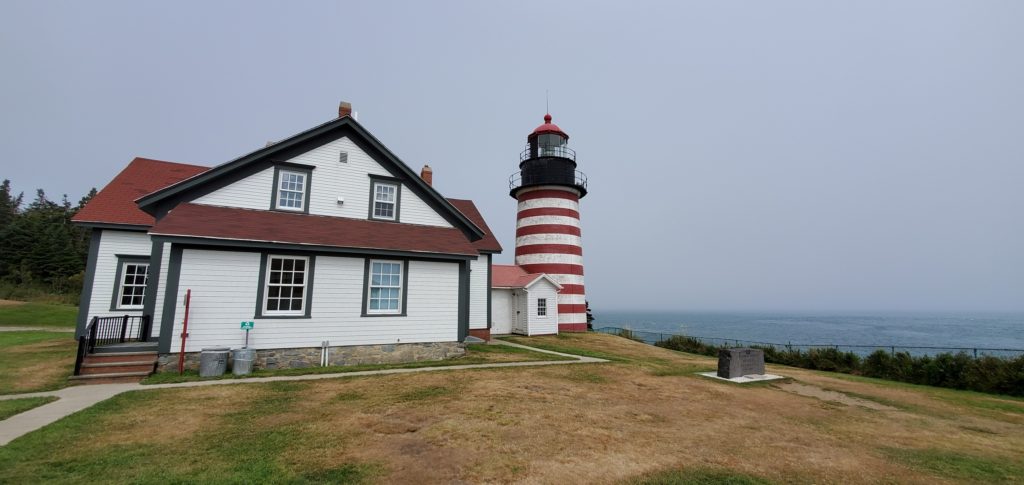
[{"x": 548, "y": 188}]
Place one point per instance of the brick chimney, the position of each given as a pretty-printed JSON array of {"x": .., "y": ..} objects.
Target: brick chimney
[
  {"x": 344, "y": 109},
  {"x": 427, "y": 174}
]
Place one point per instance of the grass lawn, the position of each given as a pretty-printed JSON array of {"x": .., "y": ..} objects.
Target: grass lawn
[
  {"x": 643, "y": 418},
  {"x": 34, "y": 314},
  {"x": 35, "y": 361},
  {"x": 475, "y": 354},
  {"x": 10, "y": 407}
]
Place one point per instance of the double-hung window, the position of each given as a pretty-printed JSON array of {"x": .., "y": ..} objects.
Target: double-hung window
[
  {"x": 385, "y": 201},
  {"x": 132, "y": 285},
  {"x": 291, "y": 190},
  {"x": 385, "y": 288},
  {"x": 542, "y": 307},
  {"x": 285, "y": 290}
]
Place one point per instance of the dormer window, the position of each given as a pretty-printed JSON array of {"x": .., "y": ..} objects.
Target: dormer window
[
  {"x": 291, "y": 189},
  {"x": 384, "y": 198}
]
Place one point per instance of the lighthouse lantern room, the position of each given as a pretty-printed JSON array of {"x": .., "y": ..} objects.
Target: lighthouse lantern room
[{"x": 548, "y": 188}]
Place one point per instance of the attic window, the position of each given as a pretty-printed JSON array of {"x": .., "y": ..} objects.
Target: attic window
[
  {"x": 291, "y": 190},
  {"x": 343, "y": 158},
  {"x": 385, "y": 201}
]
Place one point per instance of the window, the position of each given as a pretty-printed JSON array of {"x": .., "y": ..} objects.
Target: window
[
  {"x": 385, "y": 201},
  {"x": 291, "y": 190},
  {"x": 132, "y": 285},
  {"x": 285, "y": 287},
  {"x": 385, "y": 288},
  {"x": 542, "y": 307}
]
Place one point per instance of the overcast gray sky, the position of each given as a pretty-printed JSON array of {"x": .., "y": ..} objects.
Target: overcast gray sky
[{"x": 742, "y": 155}]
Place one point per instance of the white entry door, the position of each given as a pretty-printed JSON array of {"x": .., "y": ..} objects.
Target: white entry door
[
  {"x": 519, "y": 300},
  {"x": 501, "y": 312}
]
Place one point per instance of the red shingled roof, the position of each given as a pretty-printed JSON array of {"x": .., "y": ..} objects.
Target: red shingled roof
[
  {"x": 511, "y": 276},
  {"x": 194, "y": 220},
  {"x": 115, "y": 204},
  {"x": 468, "y": 209}
]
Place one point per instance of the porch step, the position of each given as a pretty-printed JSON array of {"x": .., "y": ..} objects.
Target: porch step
[
  {"x": 126, "y": 347},
  {"x": 110, "y": 357},
  {"x": 116, "y": 367},
  {"x": 112, "y": 378},
  {"x": 91, "y": 368}
]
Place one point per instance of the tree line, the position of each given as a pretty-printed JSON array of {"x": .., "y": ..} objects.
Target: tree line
[{"x": 41, "y": 251}]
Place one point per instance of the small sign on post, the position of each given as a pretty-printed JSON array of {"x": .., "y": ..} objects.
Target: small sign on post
[{"x": 247, "y": 326}]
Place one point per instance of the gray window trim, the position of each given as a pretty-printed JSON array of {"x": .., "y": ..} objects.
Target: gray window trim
[
  {"x": 310, "y": 272},
  {"x": 405, "y": 287},
  {"x": 378, "y": 179},
  {"x": 116, "y": 298},
  {"x": 288, "y": 167}
]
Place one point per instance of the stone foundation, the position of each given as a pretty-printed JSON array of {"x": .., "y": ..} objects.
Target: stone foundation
[{"x": 348, "y": 355}]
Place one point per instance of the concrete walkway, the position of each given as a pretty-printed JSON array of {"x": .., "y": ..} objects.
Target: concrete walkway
[
  {"x": 36, "y": 329},
  {"x": 76, "y": 398}
]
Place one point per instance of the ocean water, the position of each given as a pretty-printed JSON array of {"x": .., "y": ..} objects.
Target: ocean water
[{"x": 983, "y": 330}]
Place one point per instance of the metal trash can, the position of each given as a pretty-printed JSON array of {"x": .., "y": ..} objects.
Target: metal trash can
[
  {"x": 243, "y": 360},
  {"x": 213, "y": 361}
]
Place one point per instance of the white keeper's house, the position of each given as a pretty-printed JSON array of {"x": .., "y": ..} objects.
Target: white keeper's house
[{"x": 323, "y": 240}]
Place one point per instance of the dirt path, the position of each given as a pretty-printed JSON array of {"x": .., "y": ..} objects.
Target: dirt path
[
  {"x": 832, "y": 396},
  {"x": 10, "y": 303}
]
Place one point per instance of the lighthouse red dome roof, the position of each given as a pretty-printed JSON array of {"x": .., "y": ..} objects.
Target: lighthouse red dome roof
[{"x": 548, "y": 127}]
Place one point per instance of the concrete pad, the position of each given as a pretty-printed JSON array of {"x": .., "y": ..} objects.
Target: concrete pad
[{"x": 743, "y": 379}]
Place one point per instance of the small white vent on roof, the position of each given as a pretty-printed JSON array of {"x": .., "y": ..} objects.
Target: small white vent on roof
[{"x": 343, "y": 158}]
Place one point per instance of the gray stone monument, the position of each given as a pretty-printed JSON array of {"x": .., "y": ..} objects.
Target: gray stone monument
[{"x": 740, "y": 362}]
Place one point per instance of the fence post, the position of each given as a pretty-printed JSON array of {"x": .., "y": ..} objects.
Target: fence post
[
  {"x": 92, "y": 333},
  {"x": 892, "y": 351},
  {"x": 975, "y": 353},
  {"x": 80, "y": 354},
  {"x": 124, "y": 328}
]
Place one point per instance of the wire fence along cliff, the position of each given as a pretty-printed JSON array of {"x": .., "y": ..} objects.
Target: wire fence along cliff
[{"x": 652, "y": 338}]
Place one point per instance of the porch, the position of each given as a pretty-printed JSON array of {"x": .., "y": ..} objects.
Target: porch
[{"x": 115, "y": 349}]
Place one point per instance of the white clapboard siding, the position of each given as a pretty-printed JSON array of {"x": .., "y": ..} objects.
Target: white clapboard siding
[
  {"x": 224, "y": 286},
  {"x": 113, "y": 243},
  {"x": 252, "y": 192},
  {"x": 165, "y": 262},
  {"x": 478, "y": 292},
  {"x": 330, "y": 180},
  {"x": 547, "y": 324}
]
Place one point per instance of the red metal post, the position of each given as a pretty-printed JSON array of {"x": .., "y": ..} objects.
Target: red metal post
[{"x": 184, "y": 333}]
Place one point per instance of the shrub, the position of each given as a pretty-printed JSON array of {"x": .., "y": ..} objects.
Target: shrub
[{"x": 957, "y": 371}]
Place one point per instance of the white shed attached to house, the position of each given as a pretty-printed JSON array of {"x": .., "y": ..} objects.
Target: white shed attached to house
[{"x": 523, "y": 303}]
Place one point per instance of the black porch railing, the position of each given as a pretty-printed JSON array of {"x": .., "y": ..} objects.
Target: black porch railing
[
  {"x": 102, "y": 331},
  {"x": 563, "y": 176}
]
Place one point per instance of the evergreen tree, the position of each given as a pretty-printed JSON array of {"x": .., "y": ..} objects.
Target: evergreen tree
[
  {"x": 39, "y": 245},
  {"x": 9, "y": 205}
]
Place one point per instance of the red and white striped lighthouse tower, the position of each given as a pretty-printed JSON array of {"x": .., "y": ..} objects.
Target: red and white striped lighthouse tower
[{"x": 549, "y": 188}]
